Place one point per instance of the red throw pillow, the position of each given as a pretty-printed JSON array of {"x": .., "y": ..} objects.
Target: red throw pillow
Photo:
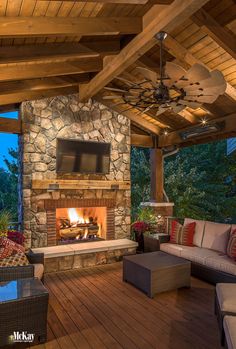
[
  {"x": 231, "y": 248},
  {"x": 182, "y": 235},
  {"x": 8, "y": 248}
]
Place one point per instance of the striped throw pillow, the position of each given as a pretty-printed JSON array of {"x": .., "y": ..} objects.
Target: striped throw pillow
[
  {"x": 231, "y": 248},
  {"x": 182, "y": 235}
]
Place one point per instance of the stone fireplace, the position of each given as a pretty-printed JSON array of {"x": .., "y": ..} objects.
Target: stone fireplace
[{"x": 102, "y": 204}]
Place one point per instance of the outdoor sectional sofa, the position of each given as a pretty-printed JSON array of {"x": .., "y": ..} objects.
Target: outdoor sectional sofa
[{"x": 208, "y": 257}]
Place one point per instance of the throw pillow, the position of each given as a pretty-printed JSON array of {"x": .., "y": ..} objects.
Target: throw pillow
[
  {"x": 8, "y": 247},
  {"x": 231, "y": 248},
  {"x": 182, "y": 235},
  {"x": 16, "y": 259}
]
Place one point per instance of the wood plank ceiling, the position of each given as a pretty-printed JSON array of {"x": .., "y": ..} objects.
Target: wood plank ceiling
[{"x": 49, "y": 47}]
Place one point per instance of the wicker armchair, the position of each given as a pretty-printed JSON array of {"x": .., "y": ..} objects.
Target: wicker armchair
[{"x": 22, "y": 272}]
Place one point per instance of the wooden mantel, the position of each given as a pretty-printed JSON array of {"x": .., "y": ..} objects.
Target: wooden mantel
[{"x": 60, "y": 184}]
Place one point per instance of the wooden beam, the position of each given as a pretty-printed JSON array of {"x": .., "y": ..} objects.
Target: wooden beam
[
  {"x": 141, "y": 140},
  {"x": 173, "y": 138},
  {"x": 45, "y": 26},
  {"x": 133, "y": 115},
  {"x": 62, "y": 51},
  {"x": 154, "y": 21},
  {"x": 24, "y": 71},
  {"x": 19, "y": 97},
  {"x": 10, "y": 125},
  {"x": 222, "y": 36},
  {"x": 184, "y": 56},
  {"x": 12, "y": 87},
  {"x": 125, "y": 2},
  {"x": 188, "y": 116},
  {"x": 157, "y": 170}
]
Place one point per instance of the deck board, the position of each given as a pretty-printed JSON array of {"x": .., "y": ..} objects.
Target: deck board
[{"x": 94, "y": 308}]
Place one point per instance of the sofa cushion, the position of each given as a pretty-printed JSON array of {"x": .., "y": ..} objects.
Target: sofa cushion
[
  {"x": 172, "y": 249},
  {"x": 231, "y": 247},
  {"x": 226, "y": 297},
  {"x": 15, "y": 260},
  {"x": 216, "y": 236},
  {"x": 198, "y": 254},
  {"x": 38, "y": 270},
  {"x": 222, "y": 263},
  {"x": 182, "y": 235},
  {"x": 230, "y": 331},
  {"x": 9, "y": 247},
  {"x": 199, "y": 230}
]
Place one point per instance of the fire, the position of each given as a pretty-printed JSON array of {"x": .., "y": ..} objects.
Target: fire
[{"x": 75, "y": 218}]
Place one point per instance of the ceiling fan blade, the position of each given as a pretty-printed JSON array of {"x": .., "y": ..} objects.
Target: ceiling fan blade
[
  {"x": 178, "y": 108},
  {"x": 194, "y": 75},
  {"x": 149, "y": 75},
  {"x": 115, "y": 89},
  {"x": 174, "y": 72},
  {"x": 215, "y": 81},
  {"x": 112, "y": 97},
  {"x": 202, "y": 99},
  {"x": 128, "y": 82},
  {"x": 190, "y": 104},
  {"x": 161, "y": 110}
]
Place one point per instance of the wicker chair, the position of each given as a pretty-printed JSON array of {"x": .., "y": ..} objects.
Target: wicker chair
[{"x": 22, "y": 272}]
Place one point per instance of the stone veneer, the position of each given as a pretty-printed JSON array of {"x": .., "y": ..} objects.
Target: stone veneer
[{"x": 45, "y": 120}]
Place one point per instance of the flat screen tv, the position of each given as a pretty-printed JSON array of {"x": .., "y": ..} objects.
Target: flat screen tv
[{"x": 74, "y": 156}]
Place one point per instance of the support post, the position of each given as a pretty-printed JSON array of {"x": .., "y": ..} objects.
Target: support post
[{"x": 157, "y": 178}]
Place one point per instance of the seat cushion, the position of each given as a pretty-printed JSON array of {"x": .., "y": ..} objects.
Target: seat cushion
[
  {"x": 199, "y": 230},
  {"x": 38, "y": 270},
  {"x": 172, "y": 248},
  {"x": 222, "y": 263},
  {"x": 18, "y": 259},
  {"x": 226, "y": 293},
  {"x": 230, "y": 331},
  {"x": 198, "y": 254},
  {"x": 216, "y": 236}
]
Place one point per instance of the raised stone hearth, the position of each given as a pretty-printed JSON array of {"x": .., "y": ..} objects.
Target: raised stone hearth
[
  {"x": 74, "y": 256},
  {"x": 43, "y": 121}
]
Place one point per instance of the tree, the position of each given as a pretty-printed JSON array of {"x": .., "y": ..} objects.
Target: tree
[
  {"x": 9, "y": 183},
  {"x": 200, "y": 180},
  {"x": 140, "y": 177}
]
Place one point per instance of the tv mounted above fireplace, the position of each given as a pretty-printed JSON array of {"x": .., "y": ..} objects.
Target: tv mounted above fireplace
[{"x": 75, "y": 156}]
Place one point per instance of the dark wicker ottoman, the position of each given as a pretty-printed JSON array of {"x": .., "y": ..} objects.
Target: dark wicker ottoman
[
  {"x": 23, "y": 309},
  {"x": 156, "y": 272}
]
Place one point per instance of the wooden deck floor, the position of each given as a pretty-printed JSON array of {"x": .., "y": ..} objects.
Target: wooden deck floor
[{"x": 93, "y": 308}]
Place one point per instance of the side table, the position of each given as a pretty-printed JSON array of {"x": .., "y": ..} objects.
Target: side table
[
  {"x": 152, "y": 241},
  {"x": 23, "y": 311}
]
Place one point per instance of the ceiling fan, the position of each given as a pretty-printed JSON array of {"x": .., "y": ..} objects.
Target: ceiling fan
[{"x": 173, "y": 89}]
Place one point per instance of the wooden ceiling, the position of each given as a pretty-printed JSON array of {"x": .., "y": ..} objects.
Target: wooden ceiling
[{"x": 50, "y": 48}]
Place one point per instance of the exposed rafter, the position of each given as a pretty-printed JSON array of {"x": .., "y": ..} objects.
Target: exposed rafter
[
  {"x": 10, "y": 125},
  {"x": 141, "y": 140},
  {"x": 154, "y": 21},
  {"x": 222, "y": 36},
  {"x": 128, "y": 2},
  {"x": 43, "y": 26},
  {"x": 24, "y": 71},
  {"x": 58, "y": 51}
]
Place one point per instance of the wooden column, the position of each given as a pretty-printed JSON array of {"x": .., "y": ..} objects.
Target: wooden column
[{"x": 156, "y": 158}]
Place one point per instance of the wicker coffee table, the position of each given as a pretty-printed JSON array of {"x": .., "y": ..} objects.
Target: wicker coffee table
[
  {"x": 23, "y": 311},
  {"x": 156, "y": 272}
]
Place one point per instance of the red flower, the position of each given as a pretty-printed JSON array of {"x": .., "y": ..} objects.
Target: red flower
[{"x": 140, "y": 227}]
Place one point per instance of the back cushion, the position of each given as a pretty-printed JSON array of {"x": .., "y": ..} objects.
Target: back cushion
[
  {"x": 199, "y": 230},
  {"x": 216, "y": 236}
]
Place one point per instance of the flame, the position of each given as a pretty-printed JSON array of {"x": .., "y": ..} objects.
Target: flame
[{"x": 75, "y": 218}]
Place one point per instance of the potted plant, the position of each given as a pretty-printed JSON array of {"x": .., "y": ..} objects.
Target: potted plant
[
  {"x": 139, "y": 228},
  {"x": 5, "y": 217}
]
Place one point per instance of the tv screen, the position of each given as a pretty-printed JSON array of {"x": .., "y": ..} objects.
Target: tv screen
[{"x": 75, "y": 156}]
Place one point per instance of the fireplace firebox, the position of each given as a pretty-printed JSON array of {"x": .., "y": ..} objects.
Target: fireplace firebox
[{"x": 81, "y": 224}]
